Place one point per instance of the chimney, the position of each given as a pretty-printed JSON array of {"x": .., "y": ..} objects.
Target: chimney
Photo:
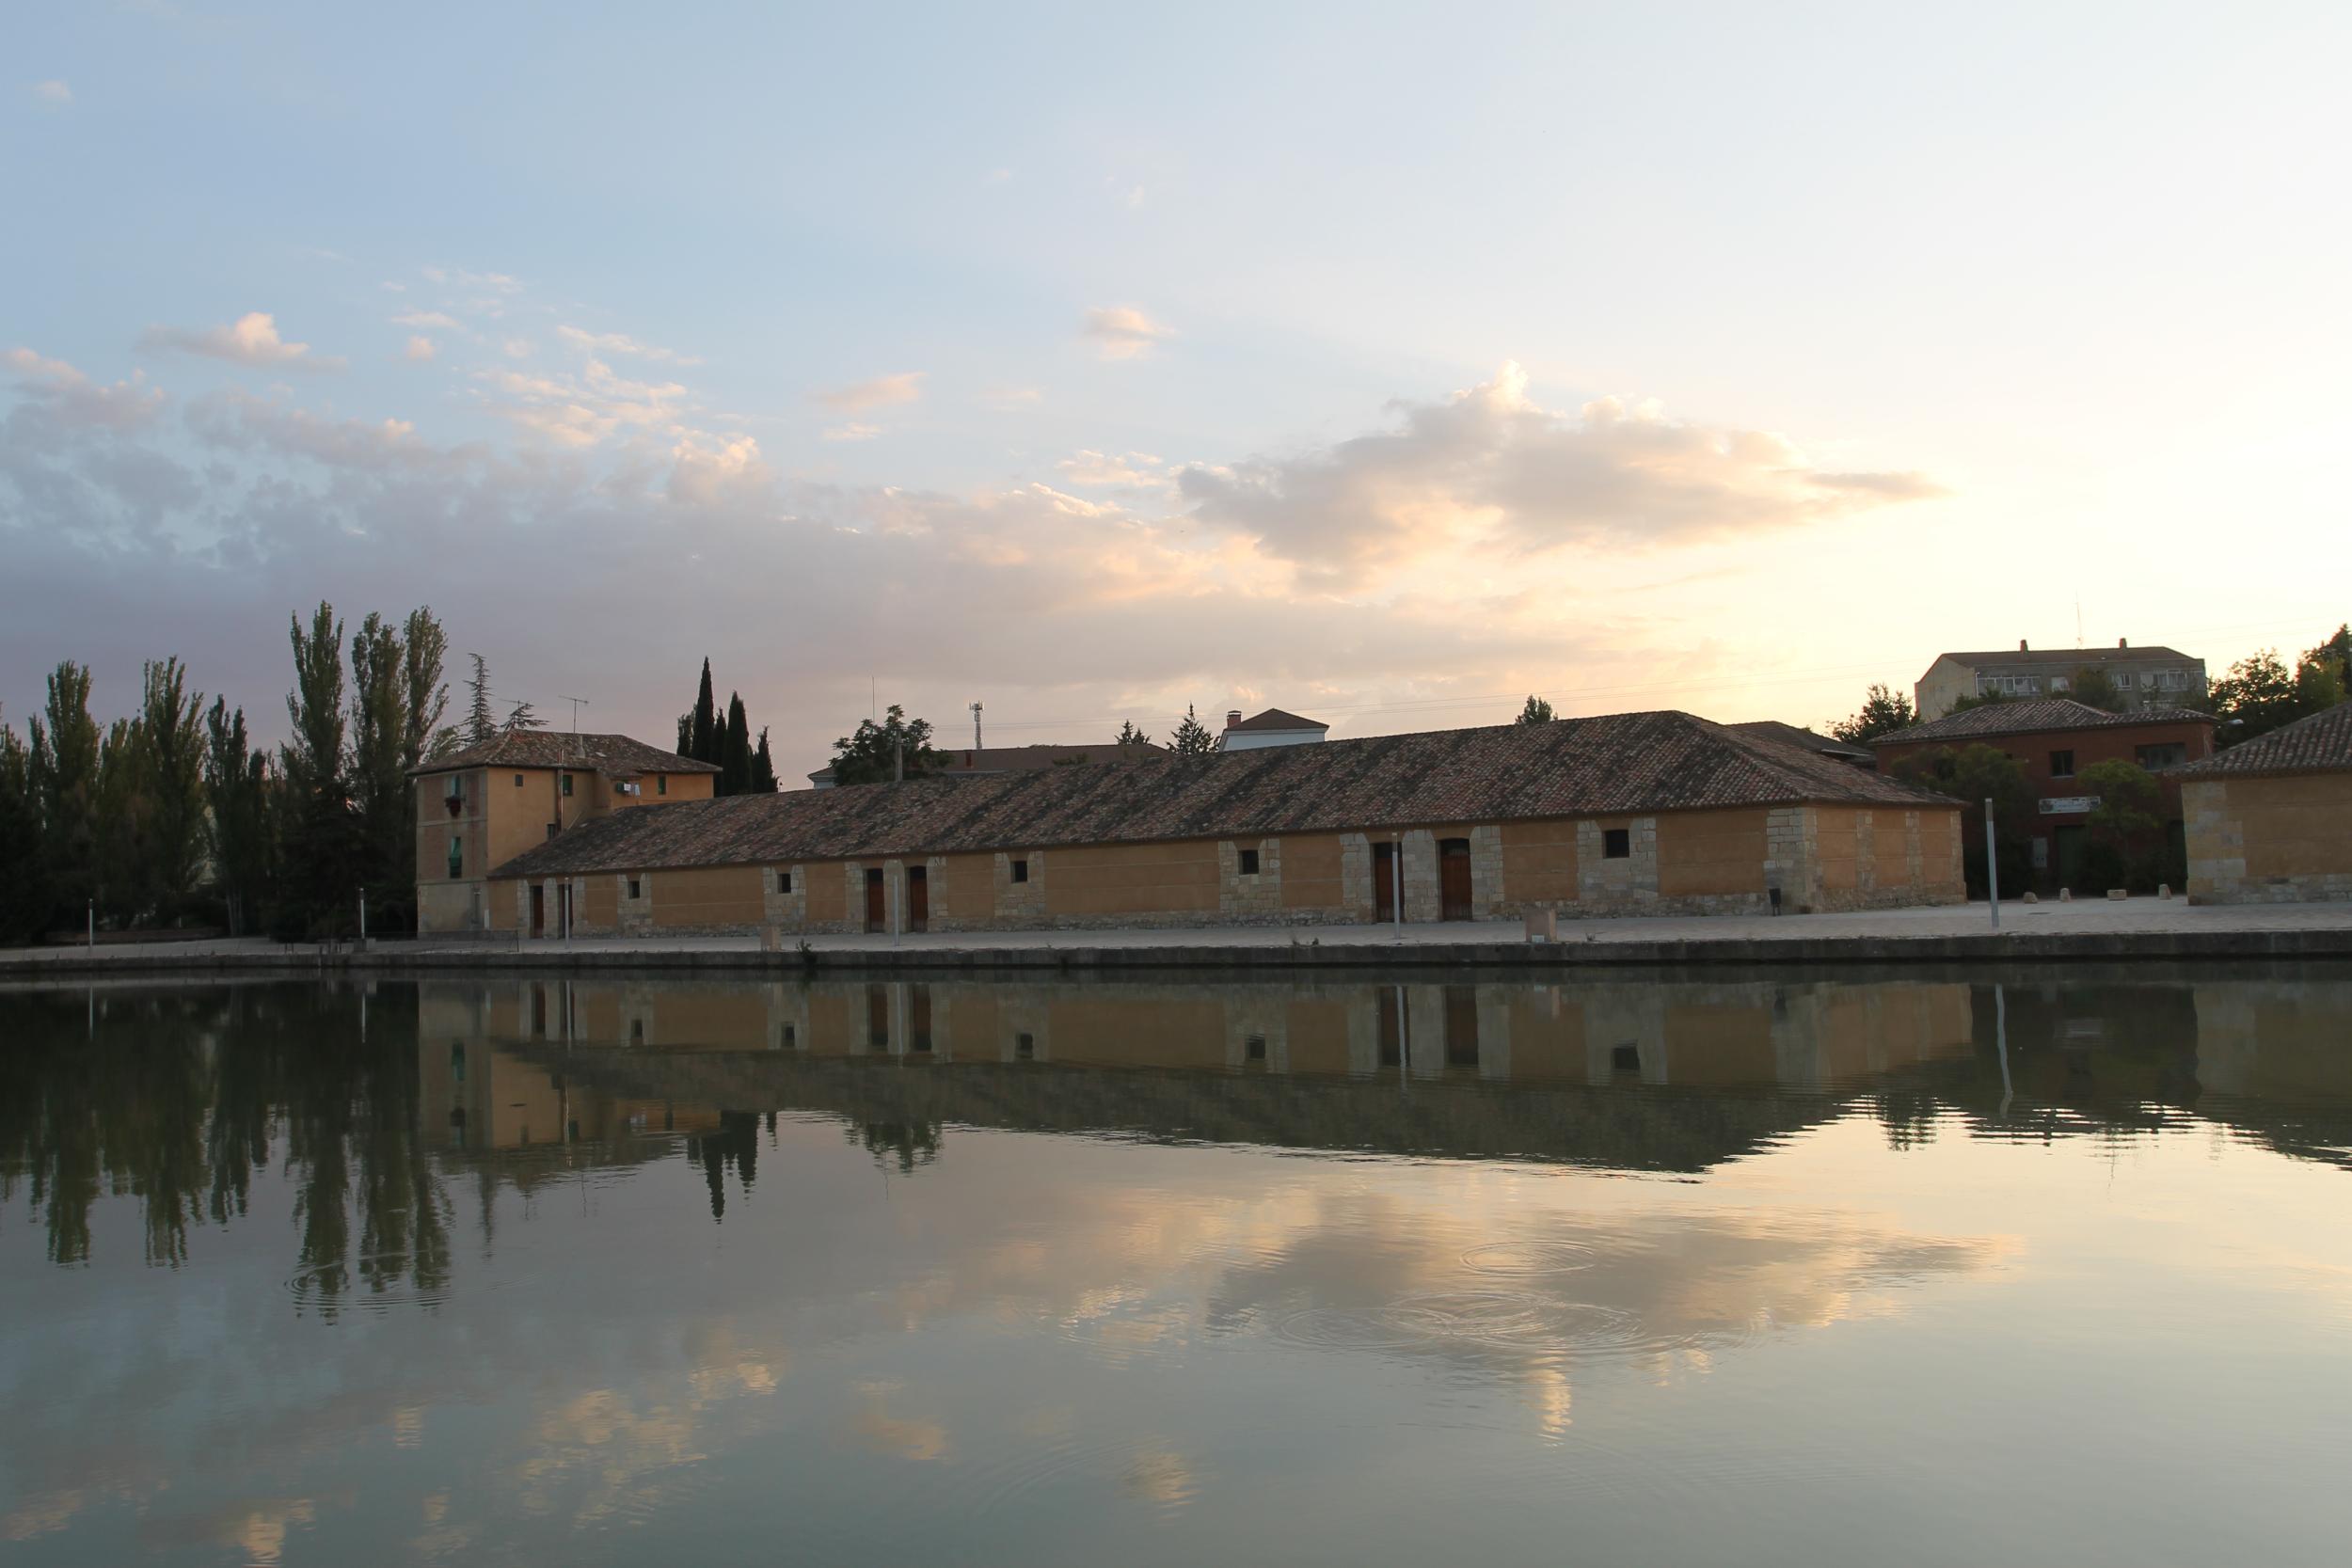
[
  {"x": 2021, "y": 644},
  {"x": 2121, "y": 643},
  {"x": 1233, "y": 717}
]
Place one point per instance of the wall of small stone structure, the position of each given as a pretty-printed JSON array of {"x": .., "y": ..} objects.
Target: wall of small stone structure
[{"x": 2269, "y": 841}]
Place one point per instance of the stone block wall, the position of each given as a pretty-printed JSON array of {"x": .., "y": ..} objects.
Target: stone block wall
[
  {"x": 788, "y": 907},
  {"x": 1255, "y": 899},
  {"x": 2269, "y": 841}
]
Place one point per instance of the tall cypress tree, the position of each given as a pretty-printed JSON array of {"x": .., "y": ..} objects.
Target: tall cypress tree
[
  {"x": 735, "y": 758},
  {"x": 763, "y": 767},
  {"x": 706, "y": 744}
]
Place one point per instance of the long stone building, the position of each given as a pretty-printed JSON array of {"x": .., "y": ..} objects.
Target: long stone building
[
  {"x": 2270, "y": 821},
  {"x": 1628, "y": 814}
]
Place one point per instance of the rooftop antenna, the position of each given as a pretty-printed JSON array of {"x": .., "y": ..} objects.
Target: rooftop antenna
[
  {"x": 2078, "y": 619},
  {"x": 975, "y": 726},
  {"x": 577, "y": 703}
]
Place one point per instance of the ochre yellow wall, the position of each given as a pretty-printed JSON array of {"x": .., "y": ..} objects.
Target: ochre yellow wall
[
  {"x": 602, "y": 907},
  {"x": 722, "y": 896},
  {"x": 1710, "y": 852},
  {"x": 1836, "y": 847},
  {"x": 1310, "y": 872},
  {"x": 1176, "y": 1032},
  {"x": 1132, "y": 878},
  {"x": 1317, "y": 1031},
  {"x": 2293, "y": 827},
  {"x": 1539, "y": 862},
  {"x": 505, "y": 905},
  {"x": 968, "y": 892}
]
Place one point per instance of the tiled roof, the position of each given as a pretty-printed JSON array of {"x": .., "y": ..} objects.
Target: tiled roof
[
  {"x": 1829, "y": 746},
  {"x": 2319, "y": 744},
  {"x": 1619, "y": 764},
  {"x": 1276, "y": 718},
  {"x": 614, "y": 755},
  {"x": 2033, "y": 718},
  {"x": 1025, "y": 759},
  {"x": 2084, "y": 657}
]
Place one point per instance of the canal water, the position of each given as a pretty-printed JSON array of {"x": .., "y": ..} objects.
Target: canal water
[{"x": 2047, "y": 1266}]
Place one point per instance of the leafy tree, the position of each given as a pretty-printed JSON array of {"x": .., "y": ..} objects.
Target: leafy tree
[
  {"x": 423, "y": 650},
  {"x": 64, "y": 775},
  {"x": 872, "y": 755},
  {"x": 23, "y": 903},
  {"x": 703, "y": 735},
  {"x": 482, "y": 725},
  {"x": 2260, "y": 694},
  {"x": 1972, "y": 775},
  {"x": 1130, "y": 735},
  {"x": 763, "y": 767},
  {"x": 2094, "y": 688},
  {"x": 1192, "y": 737},
  {"x": 172, "y": 728},
  {"x": 1537, "y": 711},
  {"x": 320, "y": 828},
  {"x": 125, "y": 884},
  {"x": 236, "y": 789},
  {"x": 1981, "y": 699},
  {"x": 380, "y": 725},
  {"x": 2335, "y": 657},
  {"x": 1882, "y": 713},
  {"x": 734, "y": 749},
  {"x": 2127, "y": 801},
  {"x": 522, "y": 715}
]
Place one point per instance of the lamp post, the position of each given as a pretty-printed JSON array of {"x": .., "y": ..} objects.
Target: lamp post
[{"x": 1992, "y": 869}]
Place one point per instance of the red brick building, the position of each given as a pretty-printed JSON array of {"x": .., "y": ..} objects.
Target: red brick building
[{"x": 2055, "y": 741}]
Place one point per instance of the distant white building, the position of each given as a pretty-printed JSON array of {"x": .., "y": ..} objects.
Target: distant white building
[
  {"x": 1273, "y": 727},
  {"x": 2142, "y": 677}
]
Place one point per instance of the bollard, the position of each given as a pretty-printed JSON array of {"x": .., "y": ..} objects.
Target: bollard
[
  {"x": 2066, "y": 896},
  {"x": 2032, "y": 897},
  {"x": 2118, "y": 895},
  {"x": 2163, "y": 889}
]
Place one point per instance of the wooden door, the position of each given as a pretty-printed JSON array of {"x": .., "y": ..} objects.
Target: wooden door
[
  {"x": 1384, "y": 881},
  {"x": 1461, "y": 1026},
  {"x": 1454, "y": 879},
  {"x": 538, "y": 910},
  {"x": 1395, "y": 1030},
  {"x": 877, "y": 910},
  {"x": 878, "y": 1018},
  {"x": 918, "y": 898}
]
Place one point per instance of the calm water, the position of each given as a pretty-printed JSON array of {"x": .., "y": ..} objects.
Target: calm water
[{"x": 1643, "y": 1270}]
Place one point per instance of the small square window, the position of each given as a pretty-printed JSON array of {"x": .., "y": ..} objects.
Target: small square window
[
  {"x": 551, "y": 829},
  {"x": 1624, "y": 1059},
  {"x": 792, "y": 1037},
  {"x": 636, "y": 1031},
  {"x": 1255, "y": 1046},
  {"x": 1249, "y": 868},
  {"x": 1024, "y": 1046},
  {"x": 1021, "y": 871},
  {"x": 2123, "y": 680},
  {"x": 784, "y": 882},
  {"x": 662, "y": 783},
  {"x": 2062, "y": 765},
  {"x": 518, "y": 780},
  {"x": 636, "y": 888},
  {"x": 1617, "y": 844},
  {"x": 567, "y": 786},
  {"x": 2161, "y": 756}
]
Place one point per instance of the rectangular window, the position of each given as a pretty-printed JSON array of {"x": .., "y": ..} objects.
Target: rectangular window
[
  {"x": 1254, "y": 1048},
  {"x": 1617, "y": 844},
  {"x": 1624, "y": 1059},
  {"x": 567, "y": 786},
  {"x": 455, "y": 788},
  {"x": 2161, "y": 756},
  {"x": 2062, "y": 765},
  {"x": 636, "y": 888},
  {"x": 2123, "y": 680},
  {"x": 1024, "y": 1046},
  {"x": 1021, "y": 871},
  {"x": 457, "y": 855},
  {"x": 518, "y": 780},
  {"x": 662, "y": 783},
  {"x": 2059, "y": 683},
  {"x": 1250, "y": 862},
  {"x": 783, "y": 881}
]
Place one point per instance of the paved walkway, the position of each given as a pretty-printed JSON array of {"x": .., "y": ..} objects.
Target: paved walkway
[{"x": 2088, "y": 917}]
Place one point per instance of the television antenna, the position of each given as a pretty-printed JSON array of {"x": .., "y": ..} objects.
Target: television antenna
[{"x": 577, "y": 703}]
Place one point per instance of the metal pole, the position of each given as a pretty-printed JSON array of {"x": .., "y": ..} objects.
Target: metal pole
[
  {"x": 2000, "y": 1041},
  {"x": 93, "y": 925},
  {"x": 363, "y": 920},
  {"x": 1992, "y": 870}
]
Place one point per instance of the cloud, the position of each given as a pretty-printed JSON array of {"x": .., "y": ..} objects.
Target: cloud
[
  {"x": 852, "y": 432},
  {"x": 427, "y": 318},
  {"x": 52, "y": 92},
  {"x": 251, "y": 340},
  {"x": 1094, "y": 467},
  {"x": 614, "y": 343},
  {"x": 421, "y": 348},
  {"x": 67, "y": 398},
  {"x": 1006, "y": 400},
  {"x": 1489, "y": 469},
  {"x": 1123, "y": 332},
  {"x": 461, "y": 278},
  {"x": 883, "y": 391}
]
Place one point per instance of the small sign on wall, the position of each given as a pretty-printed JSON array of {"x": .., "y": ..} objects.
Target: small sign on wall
[{"x": 2067, "y": 805}]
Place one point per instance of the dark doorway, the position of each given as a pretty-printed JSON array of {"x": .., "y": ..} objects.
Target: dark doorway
[
  {"x": 1384, "y": 881},
  {"x": 875, "y": 917},
  {"x": 878, "y": 1018},
  {"x": 1461, "y": 1026},
  {"x": 538, "y": 910},
  {"x": 918, "y": 898},
  {"x": 2066, "y": 852},
  {"x": 1454, "y": 879},
  {"x": 919, "y": 1017}
]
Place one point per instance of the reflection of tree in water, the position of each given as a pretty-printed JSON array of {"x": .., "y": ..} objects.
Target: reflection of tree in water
[
  {"x": 177, "y": 1099},
  {"x": 908, "y": 1143},
  {"x": 736, "y": 1143}
]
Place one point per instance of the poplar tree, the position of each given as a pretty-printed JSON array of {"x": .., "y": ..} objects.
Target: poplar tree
[
  {"x": 64, "y": 775},
  {"x": 236, "y": 790},
  {"x": 21, "y": 903},
  {"x": 172, "y": 732},
  {"x": 423, "y": 650},
  {"x": 318, "y": 840},
  {"x": 380, "y": 721}
]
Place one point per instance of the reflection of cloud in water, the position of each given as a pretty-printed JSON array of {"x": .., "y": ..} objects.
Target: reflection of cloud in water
[
  {"x": 1159, "y": 1476},
  {"x": 902, "y": 1437}
]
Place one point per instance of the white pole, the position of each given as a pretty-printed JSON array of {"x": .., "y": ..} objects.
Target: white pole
[
  {"x": 363, "y": 920},
  {"x": 1992, "y": 871},
  {"x": 1396, "y": 883},
  {"x": 94, "y": 925},
  {"x": 2000, "y": 1041}
]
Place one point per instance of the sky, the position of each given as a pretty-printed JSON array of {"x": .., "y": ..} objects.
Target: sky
[{"x": 1384, "y": 364}]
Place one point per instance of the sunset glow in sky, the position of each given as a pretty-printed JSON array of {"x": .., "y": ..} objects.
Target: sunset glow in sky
[{"x": 1383, "y": 365}]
